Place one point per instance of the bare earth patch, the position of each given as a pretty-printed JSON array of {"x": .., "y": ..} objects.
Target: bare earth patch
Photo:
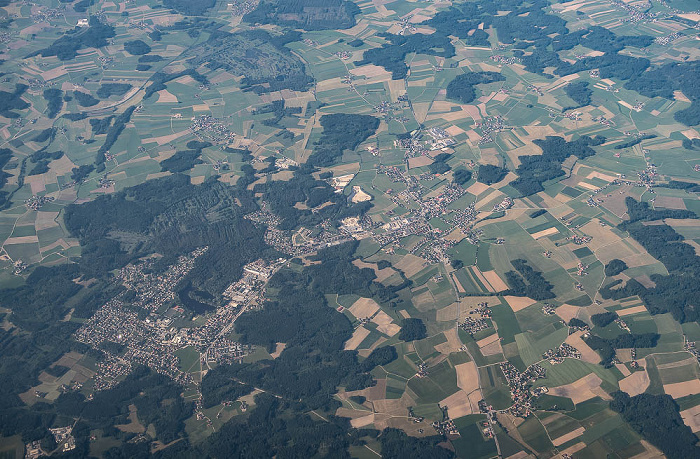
[
  {"x": 678, "y": 390},
  {"x": 457, "y": 404},
  {"x": 518, "y": 303},
  {"x": 580, "y": 390},
  {"x": 691, "y": 418},
  {"x": 632, "y": 310},
  {"x": 467, "y": 377},
  {"x": 568, "y": 437},
  {"x": 279, "y": 347},
  {"x": 567, "y": 312},
  {"x": 636, "y": 383},
  {"x": 587, "y": 354},
  {"x": 495, "y": 280},
  {"x": 364, "y": 307},
  {"x": 357, "y": 337}
]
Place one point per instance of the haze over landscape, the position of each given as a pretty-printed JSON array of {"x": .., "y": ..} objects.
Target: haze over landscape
[{"x": 349, "y": 228}]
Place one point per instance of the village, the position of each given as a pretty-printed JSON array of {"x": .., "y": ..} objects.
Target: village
[{"x": 145, "y": 326}]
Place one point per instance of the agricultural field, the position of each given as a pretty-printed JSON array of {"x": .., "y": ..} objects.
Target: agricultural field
[{"x": 465, "y": 228}]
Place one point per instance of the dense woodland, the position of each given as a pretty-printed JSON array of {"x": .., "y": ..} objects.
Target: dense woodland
[
  {"x": 461, "y": 88},
  {"x": 412, "y": 329},
  {"x": 341, "y": 131},
  {"x": 112, "y": 89},
  {"x": 137, "y": 47},
  {"x": 526, "y": 281},
  {"x": 183, "y": 161},
  {"x": 66, "y": 48},
  {"x": 676, "y": 293},
  {"x": 606, "y": 347},
  {"x": 172, "y": 217},
  {"x": 84, "y": 99},
  {"x": 113, "y": 134},
  {"x": 490, "y": 174},
  {"x": 603, "y": 319},
  {"x": 392, "y": 54},
  {"x": 579, "y": 92},
  {"x": 262, "y": 58},
  {"x": 461, "y": 176},
  {"x": 190, "y": 8},
  {"x": 10, "y": 101},
  {"x": 615, "y": 267},
  {"x": 313, "y": 364},
  {"x": 54, "y": 101},
  {"x": 305, "y": 14},
  {"x": 439, "y": 164},
  {"x": 657, "y": 419},
  {"x": 534, "y": 170},
  {"x": 303, "y": 188}
]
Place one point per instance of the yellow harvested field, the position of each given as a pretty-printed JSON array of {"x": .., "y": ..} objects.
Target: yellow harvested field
[
  {"x": 518, "y": 303},
  {"x": 36, "y": 182},
  {"x": 467, "y": 377},
  {"x": 580, "y": 390},
  {"x": 678, "y": 95},
  {"x": 370, "y": 71},
  {"x": 630, "y": 311},
  {"x": 457, "y": 404},
  {"x": 385, "y": 324},
  {"x": 602, "y": 235},
  {"x": 410, "y": 265},
  {"x": 567, "y": 312},
  {"x": 364, "y": 307},
  {"x": 454, "y": 130},
  {"x": 676, "y": 222},
  {"x": 351, "y": 413},
  {"x": 495, "y": 280},
  {"x": 474, "y": 398},
  {"x": 477, "y": 188},
  {"x": 45, "y": 220},
  {"x": 588, "y": 186},
  {"x": 482, "y": 279},
  {"x": 456, "y": 235},
  {"x": 419, "y": 161},
  {"x": 587, "y": 354},
  {"x": 167, "y": 138},
  {"x": 682, "y": 389},
  {"x": 636, "y": 383},
  {"x": 623, "y": 369},
  {"x": 363, "y": 421},
  {"x": 488, "y": 340},
  {"x": 691, "y": 418},
  {"x": 394, "y": 407},
  {"x": 546, "y": 232},
  {"x": 627, "y": 105},
  {"x": 382, "y": 274},
  {"x": 165, "y": 97},
  {"x": 492, "y": 349},
  {"x": 279, "y": 347},
  {"x": 22, "y": 240},
  {"x": 448, "y": 313},
  {"x": 54, "y": 73},
  {"x": 453, "y": 343},
  {"x": 357, "y": 337},
  {"x": 669, "y": 202},
  {"x": 568, "y": 437},
  {"x": 606, "y": 177}
]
